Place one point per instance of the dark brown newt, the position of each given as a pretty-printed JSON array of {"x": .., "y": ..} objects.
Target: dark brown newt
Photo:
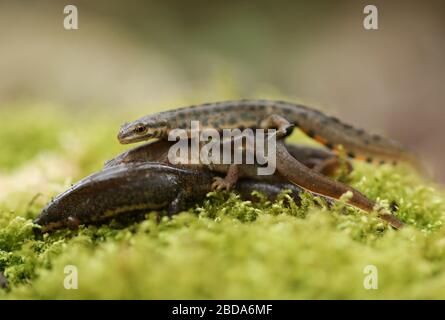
[
  {"x": 133, "y": 187},
  {"x": 281, "y": 115}
]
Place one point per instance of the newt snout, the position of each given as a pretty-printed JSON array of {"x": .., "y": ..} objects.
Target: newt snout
[{"x": 145, "y": 129}]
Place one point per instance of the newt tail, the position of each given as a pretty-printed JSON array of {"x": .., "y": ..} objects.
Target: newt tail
[{"x": 295, "y": 172}]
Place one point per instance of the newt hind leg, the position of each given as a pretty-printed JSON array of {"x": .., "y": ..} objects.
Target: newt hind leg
[{"x": 283, "y": 126}]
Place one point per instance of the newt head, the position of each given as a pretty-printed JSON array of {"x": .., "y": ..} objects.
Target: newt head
[
  {"x": 142, "y": 129},
  {"x": 49, "y": 219}
]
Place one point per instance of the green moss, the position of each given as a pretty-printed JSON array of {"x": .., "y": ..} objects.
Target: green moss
[{"x": 223, "y": 247}]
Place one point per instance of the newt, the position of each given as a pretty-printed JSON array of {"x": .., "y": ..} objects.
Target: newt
[
  {"x": 124, "y": 189},
  {"x": 267, "y": 114},
  {"x": 321, "y": 160}
]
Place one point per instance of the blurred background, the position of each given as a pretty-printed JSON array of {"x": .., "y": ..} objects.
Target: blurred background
[{"x": 131, "y": 58}]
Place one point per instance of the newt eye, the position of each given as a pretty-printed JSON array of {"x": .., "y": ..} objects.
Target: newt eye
[{"x": 140, "y": 128}]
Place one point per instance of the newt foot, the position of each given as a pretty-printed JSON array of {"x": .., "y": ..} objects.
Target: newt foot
[{"x": 221, "y": 184}]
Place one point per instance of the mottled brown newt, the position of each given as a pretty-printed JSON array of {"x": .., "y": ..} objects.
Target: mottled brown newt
[
  {"x": 292, "y": 164},
  {"x": 327, "y": 130},
  {"x": 321, "y": 160}
]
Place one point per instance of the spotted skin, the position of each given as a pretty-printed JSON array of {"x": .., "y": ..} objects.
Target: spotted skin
[{"x": 327, "y": 130}]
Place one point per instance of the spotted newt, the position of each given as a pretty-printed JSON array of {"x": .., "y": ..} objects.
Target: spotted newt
[
  {"x": 327, "y": 130},
  {"x": 321, "y": 160}
]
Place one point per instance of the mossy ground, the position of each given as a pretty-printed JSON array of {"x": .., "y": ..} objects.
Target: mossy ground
[{"x": 223, "y": 248}]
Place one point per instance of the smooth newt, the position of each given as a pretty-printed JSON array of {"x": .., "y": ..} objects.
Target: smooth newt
[
  {"x": 140, "y": 187},
  {"x": 292, "y": 164},
  {"x": 327, "y": 130},
  {"x": 125, "y": 188},
  {"x": 321, "y": 160}
]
